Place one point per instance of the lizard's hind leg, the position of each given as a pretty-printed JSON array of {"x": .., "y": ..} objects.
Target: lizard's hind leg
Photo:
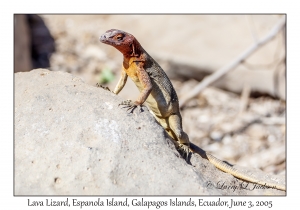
[
  {"x": 163, "y": 122},
  {"x": 176, "y": 127}
]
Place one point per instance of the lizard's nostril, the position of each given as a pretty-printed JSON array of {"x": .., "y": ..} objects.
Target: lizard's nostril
[{"x": 102, "y": 37}]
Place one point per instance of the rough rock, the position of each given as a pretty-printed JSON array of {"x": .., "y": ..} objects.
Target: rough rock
[{"x": 73, "y": 139}]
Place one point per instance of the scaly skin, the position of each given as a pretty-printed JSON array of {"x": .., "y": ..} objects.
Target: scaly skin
[{"x": 158, "y": 93}]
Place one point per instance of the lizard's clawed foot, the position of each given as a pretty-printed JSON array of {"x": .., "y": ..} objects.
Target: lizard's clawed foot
[
  {"x": 185, "y": 149},
  {"x": 131, "y": 105},
  {"x": 105, "y": 88}
]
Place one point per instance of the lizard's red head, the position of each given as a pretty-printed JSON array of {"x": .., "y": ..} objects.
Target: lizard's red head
[{"x": 123, "y": 41}]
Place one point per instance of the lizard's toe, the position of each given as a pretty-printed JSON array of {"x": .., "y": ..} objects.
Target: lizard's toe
[
  {"x": 131, "y": 105},
  {"x": 185, "y": 150},
  {"x": 126, "y": 103},
  {"x": 105, "y": 88},
  {"x": 131, "y": 108}
]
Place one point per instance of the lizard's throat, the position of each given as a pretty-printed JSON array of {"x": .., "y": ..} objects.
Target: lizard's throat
[{"x": 130, "y": 50}]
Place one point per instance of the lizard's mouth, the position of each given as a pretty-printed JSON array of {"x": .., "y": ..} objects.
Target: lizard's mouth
[{"x": 104, "y": 39}]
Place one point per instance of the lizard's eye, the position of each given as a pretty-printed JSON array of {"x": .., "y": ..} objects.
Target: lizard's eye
[{"x": 119, "y": 37}]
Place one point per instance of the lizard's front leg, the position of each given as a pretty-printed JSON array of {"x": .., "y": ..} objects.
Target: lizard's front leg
[
  {"x": 121, "y": 83},
  {"x": 146, "y": 84}
]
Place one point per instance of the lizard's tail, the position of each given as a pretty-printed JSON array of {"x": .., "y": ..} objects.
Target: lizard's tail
[{"x": 233, "y": 171}]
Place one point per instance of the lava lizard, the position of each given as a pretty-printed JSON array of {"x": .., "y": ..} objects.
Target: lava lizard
[{"x": 158, "y": 93}]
